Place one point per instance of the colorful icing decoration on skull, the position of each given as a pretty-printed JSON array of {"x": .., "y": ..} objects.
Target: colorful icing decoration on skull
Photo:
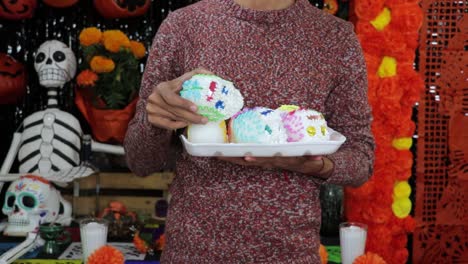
[
  {"x": 303, "y": 125},
  {"x": 257, "y": 125},
  {"x": 216, "y": 98}
]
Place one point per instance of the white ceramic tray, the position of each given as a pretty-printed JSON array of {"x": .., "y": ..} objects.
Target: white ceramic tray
[{"x": 265, "y": 150}]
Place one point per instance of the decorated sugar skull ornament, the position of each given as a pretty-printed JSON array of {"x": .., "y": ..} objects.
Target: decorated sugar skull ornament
[
  {"x": 55, "y": 63},
  {"x": 257, "y": 125},
  {"x": 217, "y": 100},
  {"x": 31, "y": 201},
  {"x": 304, "y": 125}
]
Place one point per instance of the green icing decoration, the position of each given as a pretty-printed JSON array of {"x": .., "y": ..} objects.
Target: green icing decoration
[{"x": 211, "y": 113}]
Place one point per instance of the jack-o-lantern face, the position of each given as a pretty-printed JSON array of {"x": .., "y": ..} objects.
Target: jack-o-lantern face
[
  {"x": 17, "y": 9},
  {"x": 13, "y": 79},
  {"x": 60, "y": 3},
  {"x": 122, "y": 8}
]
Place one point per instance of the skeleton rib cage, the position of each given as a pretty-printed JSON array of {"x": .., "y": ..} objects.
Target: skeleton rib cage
[{"x": 51, "y": 142}]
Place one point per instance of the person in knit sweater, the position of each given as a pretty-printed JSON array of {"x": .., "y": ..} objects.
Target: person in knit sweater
[{"x": 246, "y": 209}]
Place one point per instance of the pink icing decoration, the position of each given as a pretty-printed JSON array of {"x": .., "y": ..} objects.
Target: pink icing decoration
[{"x": 293, "y": 125}]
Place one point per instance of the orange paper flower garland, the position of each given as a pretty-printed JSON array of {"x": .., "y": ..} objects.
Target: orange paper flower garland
[{"x": 388, "y": 32}]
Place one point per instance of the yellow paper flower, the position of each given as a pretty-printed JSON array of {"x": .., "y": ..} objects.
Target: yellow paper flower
[
  {"x": 113, "y": 40},
  {"x": 401, "y": 190},
  {"x": 382, "y": 20},
  {"x": 102, "y": 64},
  {"x": 404, "y": 143},
  {"x": 138, "y": 49},
  {"x": 90, "y": 36},
  {"x": 388, "y": 67},
  {"x": 401, "y": 207}
]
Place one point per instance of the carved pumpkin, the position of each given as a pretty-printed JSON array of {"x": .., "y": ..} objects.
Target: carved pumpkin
[
  {"x": 17, "y": 9},
  {"x": 121, "y": 8},
  {"x": 330, "y": 6},
  {"x": 13, "y": 79},
  {"x": 60, "y": 3}
]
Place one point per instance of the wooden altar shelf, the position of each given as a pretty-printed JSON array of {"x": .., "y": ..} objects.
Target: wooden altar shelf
[{"x": 92, "y": 194}]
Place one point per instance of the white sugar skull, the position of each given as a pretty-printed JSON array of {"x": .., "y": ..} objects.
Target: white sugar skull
[
  {"x": 31, "y": 201},
  {"x": 55, "y": 63},
  {"x": 216, "y": 98}
]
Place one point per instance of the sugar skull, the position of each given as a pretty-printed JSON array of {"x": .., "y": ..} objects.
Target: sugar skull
[
  {"x": 257, "y": 125},
  {"x": 31, "y": 201},
  {"x": 55, "y": 63},
  {"x": 217, "y": 99},
  {"x": 304, "y": 125}
]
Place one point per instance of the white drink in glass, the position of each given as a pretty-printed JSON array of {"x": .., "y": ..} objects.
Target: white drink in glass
[
  {"x": 352, "y": 241},
  {"x": 93, "y": 234}
]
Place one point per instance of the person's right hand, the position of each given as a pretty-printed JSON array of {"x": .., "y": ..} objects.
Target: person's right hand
[{"x": 166, "y": 109}]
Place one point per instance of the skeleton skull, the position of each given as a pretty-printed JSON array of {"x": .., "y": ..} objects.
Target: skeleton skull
[
  {"x": 31, "y": 201},
  {"x": 55, "y": 63}
]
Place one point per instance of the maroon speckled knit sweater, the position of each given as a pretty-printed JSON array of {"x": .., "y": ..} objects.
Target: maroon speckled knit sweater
[{"x": 226, "y": 213}]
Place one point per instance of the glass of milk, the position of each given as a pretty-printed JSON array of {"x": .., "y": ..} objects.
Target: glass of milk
[
  {"x": 93, "y": 232},
  {"x": 352, "y": 241}
]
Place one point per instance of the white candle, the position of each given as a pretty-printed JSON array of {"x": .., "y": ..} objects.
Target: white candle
[
  {"x": 93, "y": 236},
  {"x": 352, "y": 241}
]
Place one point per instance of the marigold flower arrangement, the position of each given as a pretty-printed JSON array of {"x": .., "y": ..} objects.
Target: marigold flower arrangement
[
  {"x": 110, "y": 70},
  {"x": 106, "y": 255}
]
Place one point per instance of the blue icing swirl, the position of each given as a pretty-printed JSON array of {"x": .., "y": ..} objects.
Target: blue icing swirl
[
  {"x": 248, "y": 128},
  {"x": 191, "y": 90}
]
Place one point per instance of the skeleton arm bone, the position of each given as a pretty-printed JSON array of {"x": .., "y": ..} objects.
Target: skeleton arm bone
[
  {"x": 32, "y": 241},
  {"x": 107, "y": 148},
  {"x": 10, "y": 157}
]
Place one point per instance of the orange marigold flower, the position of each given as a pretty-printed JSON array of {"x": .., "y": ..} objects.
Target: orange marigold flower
[
  {"x": 113, "y": 40},
  {"x": 106, "y": 255},
  {"x": 86, "y": 78},
  {"x": 323, "y": 254},
  {"x": 138, "y": 49},
  {"x": 102, "y": 64},
  {"x": 139, "y": 243},
  {"x": 369, "y": 258},
  {"x": 90, "y": 36}
]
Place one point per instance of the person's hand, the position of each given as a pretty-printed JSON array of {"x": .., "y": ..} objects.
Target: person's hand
[
  {"x": 166, "y": 109},
  {"x": 311, "y": 165}
]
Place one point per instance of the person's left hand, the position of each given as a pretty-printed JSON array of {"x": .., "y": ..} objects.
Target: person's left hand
[{"x": 311, "y": 165}]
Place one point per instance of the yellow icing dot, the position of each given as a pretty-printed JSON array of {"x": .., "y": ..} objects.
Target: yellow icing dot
[
  {"x": 388, "y": 67},
  {"x": 223, "y": 127},
  {"x": 382, "y": 20},
  {"x": 402, "y": 143},
  {"x": 401, "y": 207},
  {"x": 311, "y": 131},
  {"x": 324, "y": 130},
  {"x": 401, "y": 190},
  {"x": 288, "y": 108}
]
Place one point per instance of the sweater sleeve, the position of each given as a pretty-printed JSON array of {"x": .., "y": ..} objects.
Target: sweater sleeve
[
  {"x": 148, "y": 148},
  {"x": 348, "y": 112}
]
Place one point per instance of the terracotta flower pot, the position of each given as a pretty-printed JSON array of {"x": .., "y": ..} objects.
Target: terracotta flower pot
[{"x": 108, "y": 125}]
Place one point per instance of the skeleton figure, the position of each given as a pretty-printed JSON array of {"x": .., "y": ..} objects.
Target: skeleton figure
[{"x": 49, "y": 146}]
